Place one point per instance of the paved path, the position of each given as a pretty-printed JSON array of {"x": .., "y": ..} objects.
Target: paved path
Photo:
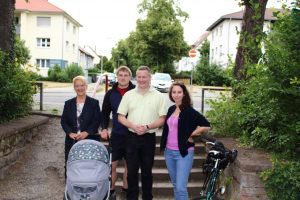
[{"x": 39, "y": 173}]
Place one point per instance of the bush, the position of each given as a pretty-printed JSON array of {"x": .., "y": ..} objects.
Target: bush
[
  {"x": 56, "y": 73},
  {"x": 73, "y": 70},
  {"x": 16, "y": 90},
  {"x": 283, "y": 181},
  {"x": 211, "y": 75}
]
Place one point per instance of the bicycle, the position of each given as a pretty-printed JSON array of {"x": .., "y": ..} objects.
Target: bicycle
[{"x": 217, "y": 159}]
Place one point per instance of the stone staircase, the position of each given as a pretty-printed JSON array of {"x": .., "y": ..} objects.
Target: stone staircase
[{"x": 162, "y": 187}]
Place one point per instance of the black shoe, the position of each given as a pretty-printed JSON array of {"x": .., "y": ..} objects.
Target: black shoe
[
  {"x": 124, "y": 190},
  {"x": 112, "y": 195}
]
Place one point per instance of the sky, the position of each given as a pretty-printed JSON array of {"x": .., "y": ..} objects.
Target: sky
[{"x": 105, "y": 22}]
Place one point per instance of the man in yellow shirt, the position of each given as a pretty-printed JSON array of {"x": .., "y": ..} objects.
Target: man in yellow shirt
[{"x": 145, "y": 110}]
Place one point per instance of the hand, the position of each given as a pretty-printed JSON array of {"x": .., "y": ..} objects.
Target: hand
[
  {"x": 104, "y": 134},
  {"x": 191, "y": 140},
  {"x": 73, "y": 136},
  {"x": 82, "y": 135},
  {"x": 139, "y": 129}
]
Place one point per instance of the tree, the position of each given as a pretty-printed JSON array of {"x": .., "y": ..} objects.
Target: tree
[
  {"x": 251, "y": 35},
  {"x": 204, "y": 53},
  {"x": 7, "y": 8},
  {"x": 158, "y": 39}
]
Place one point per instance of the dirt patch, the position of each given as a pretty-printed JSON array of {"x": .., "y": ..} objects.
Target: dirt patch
[{"x": 39, "y": 173}]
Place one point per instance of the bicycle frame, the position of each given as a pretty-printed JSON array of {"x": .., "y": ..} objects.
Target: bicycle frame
[{"x": 210, "y": 187}]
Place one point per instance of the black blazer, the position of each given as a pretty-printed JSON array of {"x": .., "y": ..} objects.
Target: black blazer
[
  {"x": 89, "y": 119},
  {"x": 188, "y": 121}
]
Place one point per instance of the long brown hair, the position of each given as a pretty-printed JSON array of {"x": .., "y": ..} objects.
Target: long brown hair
[{"x": 186, "y": 100}]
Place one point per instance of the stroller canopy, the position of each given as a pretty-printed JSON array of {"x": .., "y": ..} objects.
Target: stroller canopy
[{"x": 88, "y": 170}]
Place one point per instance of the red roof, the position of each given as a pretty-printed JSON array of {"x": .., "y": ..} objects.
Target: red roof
[{"x": 37, "y": 6}]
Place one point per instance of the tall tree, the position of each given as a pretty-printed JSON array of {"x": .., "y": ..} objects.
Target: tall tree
[
  {"x": 249, "y": 49},
  {"x": 159, "y": 36},
  {"x": 7, "y": 8}
]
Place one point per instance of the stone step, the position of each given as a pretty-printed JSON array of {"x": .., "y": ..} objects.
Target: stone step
[
  {"x": 159, "y": 161},
  {"x": 164, "y": 189},
  {"x": 199, "y": 148},
  {"x": 161, "y": 174}
]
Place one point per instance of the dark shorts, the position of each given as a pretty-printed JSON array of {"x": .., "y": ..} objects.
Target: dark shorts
[{"x": 118, "y": 146}]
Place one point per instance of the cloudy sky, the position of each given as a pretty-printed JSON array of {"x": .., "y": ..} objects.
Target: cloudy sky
[{"x": 105, "y": 22}]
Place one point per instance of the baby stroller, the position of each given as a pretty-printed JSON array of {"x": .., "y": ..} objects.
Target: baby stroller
[{"x": 88, "y": 171}]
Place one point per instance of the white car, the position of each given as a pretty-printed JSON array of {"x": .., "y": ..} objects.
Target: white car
[{"x": 161, "y": 81}]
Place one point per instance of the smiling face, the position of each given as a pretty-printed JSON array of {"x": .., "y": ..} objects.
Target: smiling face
[
  {"x": 80, "y": 87},
  {"x": 143, "y": 78},
  {"x": 177, "y": 94}
]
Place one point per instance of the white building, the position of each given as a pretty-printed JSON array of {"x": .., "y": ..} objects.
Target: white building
[
  {"x": 224, "y": 36},
  {"x": 50, "y": 33}
]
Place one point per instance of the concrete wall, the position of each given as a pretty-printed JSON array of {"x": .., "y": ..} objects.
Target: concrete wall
[
  {"x": 14, "y": 135},
  {"x": 242, "y": 177}
]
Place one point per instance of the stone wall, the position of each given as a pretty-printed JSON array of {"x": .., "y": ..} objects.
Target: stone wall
[
  {"x": 242, "y": 177},
  {"x": 14, "y": 135}
]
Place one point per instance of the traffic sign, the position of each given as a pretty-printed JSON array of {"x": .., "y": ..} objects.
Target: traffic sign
[{"x": 192, "y": 53}]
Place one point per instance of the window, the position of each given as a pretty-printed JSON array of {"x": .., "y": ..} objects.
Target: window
[
  {"x": 220, "y": 50},
  {"x": 68, "y": 26},
  {"x": 221, "y": 27},
  {"x": 42, "y": 63},
  {"x": 74, "y": 30},
  {"x": 43, "y": 21},
  {"x": 67, "y": 45},
  {"x": 43, "y": 42},
  {"x": 73, "y": 48}
]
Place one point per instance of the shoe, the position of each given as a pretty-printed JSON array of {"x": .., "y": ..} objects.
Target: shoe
[
  {"x": 112, "y": 196},
  {"x": 124, "y": 190}
]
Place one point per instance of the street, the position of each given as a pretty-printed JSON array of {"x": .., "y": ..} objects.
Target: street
[{"x": 54, "y": 98}]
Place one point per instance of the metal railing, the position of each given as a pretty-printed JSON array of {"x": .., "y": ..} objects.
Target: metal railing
[{"x": 204, "y": 88}]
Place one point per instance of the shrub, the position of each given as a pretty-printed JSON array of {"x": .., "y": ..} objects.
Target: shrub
[
  {"x": 73, "y": 70},
  {"x": 211, "y": 75},
  {"x": 16, "y": 90},
  {"x": 56, "y": 73},
  {"x": 283, "y": 180}
]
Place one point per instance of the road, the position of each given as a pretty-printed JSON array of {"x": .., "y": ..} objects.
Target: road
[{"x": 54, "y": 98}]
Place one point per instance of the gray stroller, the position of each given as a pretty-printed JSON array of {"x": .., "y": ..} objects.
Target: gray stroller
[{"x": 88, "y": 171}]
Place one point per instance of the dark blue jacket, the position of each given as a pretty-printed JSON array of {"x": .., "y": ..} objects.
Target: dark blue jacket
[
  {"x": 90, "y": 118},
  {"x": 188, "y": 121},
  {"x": 110, "y": 104}
]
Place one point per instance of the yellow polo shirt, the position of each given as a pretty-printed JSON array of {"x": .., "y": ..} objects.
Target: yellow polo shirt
[{"x": 143, "y": 109}]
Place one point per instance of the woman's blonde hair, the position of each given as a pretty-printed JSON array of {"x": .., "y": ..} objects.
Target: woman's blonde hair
[{"x": 79, "y": 78}]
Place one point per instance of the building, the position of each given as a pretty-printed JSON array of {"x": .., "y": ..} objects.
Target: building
[
  {"x": 50, "y": 33},
  {"x": 224, "y": 36}
]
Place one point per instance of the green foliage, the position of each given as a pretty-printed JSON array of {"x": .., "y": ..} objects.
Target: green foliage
[
  {"x": 16, "y": 90},
  {"x": 211, "y": 75},
  {"x": 266, "y": 112},
  {"x": 283, "y": 181},
  {"x": 56, "y": 73},
  {"x": 158, "y": 39},
  {"x": 22, "y": 53},
  {"x": 59, "y": 74},
  {"x": 72, "y": 71}
]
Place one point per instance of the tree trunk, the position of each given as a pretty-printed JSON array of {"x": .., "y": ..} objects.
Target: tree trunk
[
  {"x": 7, "y": 8},
  {"x": 249, "y": 50}
]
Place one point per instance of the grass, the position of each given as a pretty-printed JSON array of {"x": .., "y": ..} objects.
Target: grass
[{"x": 51, "y": 84}]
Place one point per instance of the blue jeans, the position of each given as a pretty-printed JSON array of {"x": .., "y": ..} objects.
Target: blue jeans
[{"x": 179, "y": 170}]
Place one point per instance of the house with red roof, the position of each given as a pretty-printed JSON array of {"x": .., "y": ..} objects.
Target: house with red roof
[{"x": 50, "y": 33}]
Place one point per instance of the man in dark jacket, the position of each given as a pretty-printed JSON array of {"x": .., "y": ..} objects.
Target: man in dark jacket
[{"x": 119, "y": 132}]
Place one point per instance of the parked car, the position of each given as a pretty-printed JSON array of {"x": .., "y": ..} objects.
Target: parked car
[
  {"x": 111, "y": 78},
  {"x": 161, "y": 81}
]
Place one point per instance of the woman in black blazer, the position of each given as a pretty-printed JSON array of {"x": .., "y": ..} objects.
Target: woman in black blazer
[{"x": 81, "y": 116}]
